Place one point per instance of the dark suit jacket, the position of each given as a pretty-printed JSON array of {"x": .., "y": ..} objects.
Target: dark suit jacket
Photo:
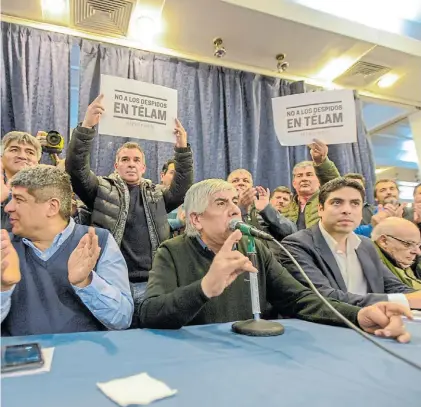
[{"x": 313, "y": 254}]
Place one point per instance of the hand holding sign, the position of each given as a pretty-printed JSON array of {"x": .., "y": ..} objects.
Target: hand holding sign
[
  {"x": 180, "y": 135},
  {"x": 318, "y": 151},
  {"x": 94, "y": 112}
]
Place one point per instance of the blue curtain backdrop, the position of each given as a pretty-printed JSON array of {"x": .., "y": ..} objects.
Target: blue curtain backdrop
[
  {"x": 35, "y": 68},
  {"x": 227, "y": 114}
]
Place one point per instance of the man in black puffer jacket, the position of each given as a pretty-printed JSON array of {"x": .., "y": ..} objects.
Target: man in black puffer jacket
[{"x": 132, "y": 208}]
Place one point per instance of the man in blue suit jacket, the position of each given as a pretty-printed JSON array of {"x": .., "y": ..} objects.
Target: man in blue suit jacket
[{"x": 341, "y": 264}]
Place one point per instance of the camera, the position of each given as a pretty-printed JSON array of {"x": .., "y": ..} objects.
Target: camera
[{"x": 54, "y": 142}]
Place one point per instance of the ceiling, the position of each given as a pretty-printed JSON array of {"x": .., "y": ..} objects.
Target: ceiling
[
  {"x": 253, "y": 33},
  {"x": 253, "y": 41}
]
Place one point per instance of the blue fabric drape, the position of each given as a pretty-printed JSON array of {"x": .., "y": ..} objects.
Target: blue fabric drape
[
  {"x": 227, "y": 114},
  {"x": 35, "y": 68}
]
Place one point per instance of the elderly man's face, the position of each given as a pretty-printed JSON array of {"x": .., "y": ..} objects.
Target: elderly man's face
[
  {"x": 402, "y": 243},
  {"x": 213, "y": 224}
]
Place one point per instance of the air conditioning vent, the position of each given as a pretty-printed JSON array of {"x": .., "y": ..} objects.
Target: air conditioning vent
[
  {"x": 362, "y": 74},
  {"x": 107, "y": 17}
]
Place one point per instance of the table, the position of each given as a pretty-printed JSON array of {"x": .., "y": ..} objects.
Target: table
[{"x": 310, "y": 365}]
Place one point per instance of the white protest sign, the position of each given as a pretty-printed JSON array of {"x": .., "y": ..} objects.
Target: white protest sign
[
  {"x": 328, "y": 116},
  {"x": 137, "y": 109}
]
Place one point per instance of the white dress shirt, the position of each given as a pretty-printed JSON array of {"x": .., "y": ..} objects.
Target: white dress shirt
[{"x": 350, "y": 266}]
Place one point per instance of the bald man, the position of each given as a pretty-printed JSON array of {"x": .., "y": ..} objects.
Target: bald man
[{"x": 398, "y": 243}]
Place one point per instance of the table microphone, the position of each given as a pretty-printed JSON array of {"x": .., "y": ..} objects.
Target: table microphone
[
  {"x": 253, "y": 327},
  {"x": 247, "y": 229}
]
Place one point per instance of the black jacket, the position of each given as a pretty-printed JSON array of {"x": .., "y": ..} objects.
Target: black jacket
[
  {"x": 311, "y": 251},
  {"x": 108, "y": 197}
]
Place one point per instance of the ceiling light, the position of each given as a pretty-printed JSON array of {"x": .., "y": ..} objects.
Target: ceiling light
[
  {"x": 54, "y": 7},
  {"x": 335, "y": 68},
  {"x": 387, "y": 80},
  {"x": 146, "y": 27}
]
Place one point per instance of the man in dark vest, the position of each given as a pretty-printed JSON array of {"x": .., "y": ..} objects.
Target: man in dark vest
[
  {"x": 132, "y": 208},
  {"x": 57, "y": 276}
]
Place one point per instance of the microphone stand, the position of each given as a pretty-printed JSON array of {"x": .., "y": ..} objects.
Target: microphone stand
[{"x": 256, "y": 326}]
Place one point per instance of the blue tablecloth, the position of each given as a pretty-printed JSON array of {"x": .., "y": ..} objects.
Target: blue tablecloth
[{"x": 310, "y": 365}]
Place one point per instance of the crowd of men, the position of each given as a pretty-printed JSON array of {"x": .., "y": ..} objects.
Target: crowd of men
[{"x": 126, "y": 252}]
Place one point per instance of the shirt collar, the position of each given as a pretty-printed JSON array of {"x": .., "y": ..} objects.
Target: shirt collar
[
  {"x": 59, "y": 238},
  {"x": 353, "y": 241}
]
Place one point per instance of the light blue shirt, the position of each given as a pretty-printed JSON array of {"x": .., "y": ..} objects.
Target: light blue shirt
[{"x": 108, "y": 295}]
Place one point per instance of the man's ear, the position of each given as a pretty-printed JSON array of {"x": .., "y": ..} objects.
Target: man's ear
[
  {"x": 320, "y": 210},
  {"x": 53, "y": 207},
  {"x": 195, "y": 220}
]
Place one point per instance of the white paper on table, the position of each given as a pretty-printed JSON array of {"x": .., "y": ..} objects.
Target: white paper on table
[
  {"x": 47, "y": 354},
  {"x": 138, "y": 389}
]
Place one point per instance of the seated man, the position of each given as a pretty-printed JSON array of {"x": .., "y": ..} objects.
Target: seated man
[
  {"x": 398, "y": 243},
  {"x": 58, "y": 276},
  {"x": 280, "y": 198},
  {"x": 19, "y": 150},
  {"x": 342, "y": 265},
  {"x": 307, "y": 176},
  {"x": 197, "y": 278}
]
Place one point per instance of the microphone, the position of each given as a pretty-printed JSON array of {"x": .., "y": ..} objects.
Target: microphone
[{"x": 249, "y": 230}]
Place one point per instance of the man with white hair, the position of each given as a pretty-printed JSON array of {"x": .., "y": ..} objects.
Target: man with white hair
[
  {"x": 398, "y": 243},
  {"x": 56, "y": 276},
  {"x": 197, "y": 278},
  {"x": 19, "y": 150}
]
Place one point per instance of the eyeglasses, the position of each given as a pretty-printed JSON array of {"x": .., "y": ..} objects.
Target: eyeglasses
[{"x": 406, "y": 244}]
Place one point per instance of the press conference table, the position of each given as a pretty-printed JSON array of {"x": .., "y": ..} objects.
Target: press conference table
[{"x": 310, "y": 365}]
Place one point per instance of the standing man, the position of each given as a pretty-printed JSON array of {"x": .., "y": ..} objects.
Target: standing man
[
  {"x": 132, "y": 208},
  {"x": 19, "y": 150},
  {"x": 254, "y": 203},
  {"x": 307, "y": 178}
]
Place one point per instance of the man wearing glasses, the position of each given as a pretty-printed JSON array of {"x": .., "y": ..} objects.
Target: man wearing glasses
[
  {"x": 342, "y": 265},
  {"x": 398, "y": 243}
]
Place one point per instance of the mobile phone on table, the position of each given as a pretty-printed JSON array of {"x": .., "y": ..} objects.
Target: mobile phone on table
[{"x": 21, "y": 357}]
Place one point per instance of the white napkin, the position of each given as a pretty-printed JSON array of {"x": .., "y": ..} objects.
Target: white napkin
[
  {"x": 138, "y": 389},
  {"x": 47, "y": 355}
]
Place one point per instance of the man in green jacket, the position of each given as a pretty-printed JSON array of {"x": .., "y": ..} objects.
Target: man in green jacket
[
  {"x": 398, "y": 243},
  {"x": 308, "y": 176},
  {"x": 197, "y": 278}
]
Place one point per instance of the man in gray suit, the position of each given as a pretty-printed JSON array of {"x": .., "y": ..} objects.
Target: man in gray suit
[{"x": 341, "y": 264}]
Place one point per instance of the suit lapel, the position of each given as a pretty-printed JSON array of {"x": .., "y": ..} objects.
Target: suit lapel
[{"x": 327, "y": 256}]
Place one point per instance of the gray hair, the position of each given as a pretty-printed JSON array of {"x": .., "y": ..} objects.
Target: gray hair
[
  {"x": 21, "y": 137},
  {"x": 240, "y": 170},
  {"x": 45, "y": 182},
  {"x": 197, "y": 199},
  {"x": 302, "y": 164}
]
